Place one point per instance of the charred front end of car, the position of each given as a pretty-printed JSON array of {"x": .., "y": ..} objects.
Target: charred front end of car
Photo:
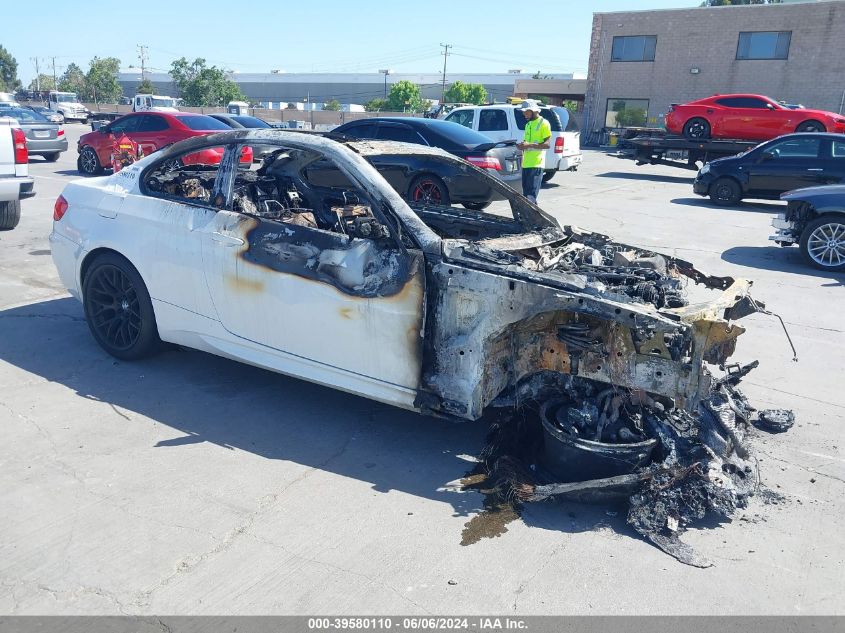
[
  {"x": 577, "y": 305},
  {"x": 597, "y": 373}
]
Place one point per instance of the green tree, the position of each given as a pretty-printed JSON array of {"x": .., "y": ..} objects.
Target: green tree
[
  {"x": 405, "y": 97},
  {"x": 44, "y": 82},
  {"x": 541, "y": 75},
  {"x": 73, "y": 80},
  {"x": 332, "y": 105},
  {"x": 9, "y": 81},
  {"x": 101, "y": 81},
  {"x": 146, "y": 87},
  {"x": 202, "y": 85},
  {"x": 459, "y": 92},
  {"x": 375, "y": 105}
]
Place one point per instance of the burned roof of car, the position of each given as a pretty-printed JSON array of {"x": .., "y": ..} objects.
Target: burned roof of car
[{"x": 306, "y": 139}]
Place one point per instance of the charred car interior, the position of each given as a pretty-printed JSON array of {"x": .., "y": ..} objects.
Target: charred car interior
[{"x": 598, "y": 375}]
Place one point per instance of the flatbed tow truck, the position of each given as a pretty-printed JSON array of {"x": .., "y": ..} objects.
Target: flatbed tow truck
[{"x": 653, "y": 146}]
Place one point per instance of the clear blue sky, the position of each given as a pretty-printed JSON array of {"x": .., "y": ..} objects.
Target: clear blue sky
[{"x": 322, "y": 36}]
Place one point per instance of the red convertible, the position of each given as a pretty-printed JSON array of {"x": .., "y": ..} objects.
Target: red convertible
[{"x": 752, "y": 117}]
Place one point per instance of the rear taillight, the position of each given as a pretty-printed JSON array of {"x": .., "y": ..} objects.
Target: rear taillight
[
  {"x": 485, "y": 162},
  {"x": 21, "y": 153},
  {"x": 559, "y": 145},
  {"x": 59, "y": 209},
  {"x": 61, "y": 132}
]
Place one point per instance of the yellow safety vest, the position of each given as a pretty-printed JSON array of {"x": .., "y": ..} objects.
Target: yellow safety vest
[{"x": 536, "y": 131}]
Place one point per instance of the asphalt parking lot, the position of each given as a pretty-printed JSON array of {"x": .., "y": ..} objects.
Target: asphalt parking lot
[{"x": 190, "y": 484}]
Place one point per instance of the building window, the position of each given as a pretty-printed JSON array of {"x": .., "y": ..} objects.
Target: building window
[
  {"x": 764, "y": 45},
  {"x": 633, "y": 48},
  {"x": 626, "y": 113}
]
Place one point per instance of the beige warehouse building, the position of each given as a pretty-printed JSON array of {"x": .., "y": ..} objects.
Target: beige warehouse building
[{"x": 643, "y": 61}]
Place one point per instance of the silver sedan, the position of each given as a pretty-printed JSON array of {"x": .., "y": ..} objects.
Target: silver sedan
[{"x": 43, "y": 137}]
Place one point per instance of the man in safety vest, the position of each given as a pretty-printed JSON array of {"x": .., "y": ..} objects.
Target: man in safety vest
[{"x": 534, "y": 144}]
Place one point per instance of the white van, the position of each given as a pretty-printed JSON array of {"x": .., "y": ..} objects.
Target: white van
[{"x": 503, "y": 122}]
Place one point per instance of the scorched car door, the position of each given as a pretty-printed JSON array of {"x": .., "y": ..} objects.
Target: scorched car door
[{"x": 317, "y": 296}]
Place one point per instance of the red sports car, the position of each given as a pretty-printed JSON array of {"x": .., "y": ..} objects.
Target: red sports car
[
  {"x": 151, "y": 131},
  {"x": 747, "y": 117}
]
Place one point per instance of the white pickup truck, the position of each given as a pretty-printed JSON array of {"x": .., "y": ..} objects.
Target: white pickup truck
[
  {"x": 15, "y": 182},
  {"x": 68, "y": 105}
]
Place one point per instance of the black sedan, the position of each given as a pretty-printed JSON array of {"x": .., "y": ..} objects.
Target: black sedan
[
  {"x": 815, "y": 220},
  {"x": 788, "y": 162},
  {"x": 407, "y": 170},
  {"x": 241, "y": 121},
  {"x": 500, "y": 160}
]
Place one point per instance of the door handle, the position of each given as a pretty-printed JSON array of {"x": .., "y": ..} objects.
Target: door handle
[
  {"x": 226, "y": 240},
  {"x": 815, "y": 169}
]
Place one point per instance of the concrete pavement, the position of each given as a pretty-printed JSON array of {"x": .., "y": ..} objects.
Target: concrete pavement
[{"x": 189, "y": 484}]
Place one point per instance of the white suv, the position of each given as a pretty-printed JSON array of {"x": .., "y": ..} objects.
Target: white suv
[
  {"x": 505, "y": 122},
  {"x": 15, "y": 182}
]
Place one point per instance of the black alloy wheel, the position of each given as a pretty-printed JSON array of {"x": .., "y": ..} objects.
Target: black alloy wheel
[
  {"x": 811, "y": 126},
  {"x": 725, "y": 192},
  {"x": 88, "y": 163},
  {"x": 429, "y": 190},
  {"x": 697, "y": 129},
  {"x": 118, "y": 308}
]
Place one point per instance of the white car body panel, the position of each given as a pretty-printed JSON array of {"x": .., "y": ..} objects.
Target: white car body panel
[{"x": 204, "y": 296}]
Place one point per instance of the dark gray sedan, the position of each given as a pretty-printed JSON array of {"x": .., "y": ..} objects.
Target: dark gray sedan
[
  {"x": 43, "y": 138},
  {"x": 240, "y": 121},
  {"x": 47, "y": 113}
]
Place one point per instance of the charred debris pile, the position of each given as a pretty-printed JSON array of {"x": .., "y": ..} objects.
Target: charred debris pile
[{"x": 676, "y": 460}]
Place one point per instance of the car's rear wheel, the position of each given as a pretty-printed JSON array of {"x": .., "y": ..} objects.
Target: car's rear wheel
[
  {"x": 725, "y": 191},
  {"x": 811, "y": 126},
  {"x": 10, "y": 214},
  {"x": 823, "y": 242},
  {"x": 52, "y": 157},
  {"x": 549, "y": 174},
  {"x": 476, "y": 206},
  {"x": 118, "y": 308},
  {"x": 88, "y": 163},
  {"x": 697, "y": 129},
  {"x": 429, "y": 190}
]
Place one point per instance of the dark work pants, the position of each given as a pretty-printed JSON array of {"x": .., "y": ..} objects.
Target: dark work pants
[{"x": 532, "y": 178}]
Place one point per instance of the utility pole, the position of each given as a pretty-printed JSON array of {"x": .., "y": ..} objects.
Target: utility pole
[
  {"x": 385, "y": 72},
  {"x": 142, "y": 55},
  {"x": 37, "y": 75},
  {"x": 445, "y": 54},
  {"x": 55, "y": 79}
]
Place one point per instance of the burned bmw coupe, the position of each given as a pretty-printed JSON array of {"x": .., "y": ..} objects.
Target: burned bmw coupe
[{"x": 313, "y": 265}]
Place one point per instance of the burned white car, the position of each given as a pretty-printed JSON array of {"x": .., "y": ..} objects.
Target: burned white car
[{"x": 312, "y": 265}]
